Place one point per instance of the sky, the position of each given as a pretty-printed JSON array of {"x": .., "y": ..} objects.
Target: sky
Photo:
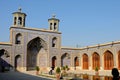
[{"x": 82, "y": 22}]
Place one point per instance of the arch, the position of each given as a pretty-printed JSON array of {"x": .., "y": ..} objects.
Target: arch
[
  {"x": 15, "y": 19},
  {"x": 54, "y": 61},
  {"x": 76, "y": 62},
  {"x": 85, "y": 61},
  {"x": 50, "y": 26},
  {"x": 119, "y": 60},
  {"x": 20, "y": 21},
  {"x": 17, "y": 62},
  {"x": 18, "y": 38},
  {"x": 33, "y": 49},
  {"x": 54, "y": 42},
  {"x": 95, "y": 60},
  {"x": 108, "y": 60},
  {"x": 65, "y": 60},
  {"x": 55, "y": 26}
]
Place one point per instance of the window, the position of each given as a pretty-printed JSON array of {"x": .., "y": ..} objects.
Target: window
[
  {"x": 19, "y": 21},
  {"x": 18, "y": 38},
  {"x": 55, "y": 26},
  {"x": 15, "y": 20},
  {"x": 96, "y": 60},
  {"x": 50, "y": 26},
  {"x": 85, "y": 61},
  {"x": 108, "y": 60},
  {"x": 54, "y": 42}
]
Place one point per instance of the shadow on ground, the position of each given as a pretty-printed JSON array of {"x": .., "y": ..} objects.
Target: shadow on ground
[{"x": 19, "y": 76}]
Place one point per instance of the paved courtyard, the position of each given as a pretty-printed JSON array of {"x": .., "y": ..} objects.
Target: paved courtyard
[{"x": 19, "y": 76}]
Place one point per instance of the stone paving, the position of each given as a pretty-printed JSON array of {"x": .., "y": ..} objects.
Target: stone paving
[{"x": 19, "y": 76}]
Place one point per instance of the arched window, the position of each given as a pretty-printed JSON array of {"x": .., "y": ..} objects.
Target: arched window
[
  {"x": 85, "y": 61},
  {"x": 55, "y": 26},
  {"x": 18, "y": 38},
  {"x": 50, "y": 26},
  {"x": 96, "y": 60},
  {"x": 15, "y": 20},
  {"x": 108, "y": 60},
  {"x": 20, "y": 21},
  {"x": 119, "y": 60},
  {"x": 54, "y": 42},
  {"x": 76, "y": 61}
]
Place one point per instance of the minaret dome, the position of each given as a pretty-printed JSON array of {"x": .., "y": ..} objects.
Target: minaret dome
[
  {"x": 19, "y": 18},
  {"x": 53, "y": 23}
]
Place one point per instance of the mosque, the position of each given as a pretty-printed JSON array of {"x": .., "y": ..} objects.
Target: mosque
[{"x": 31, "y": 47}]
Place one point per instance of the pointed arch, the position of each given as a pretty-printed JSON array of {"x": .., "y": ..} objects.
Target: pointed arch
[
  {"x": 95, "y": 60},
  {"x": 54, "y": 42},
  {"x": 18, "y": 38},
  {"x": 33, "y": 48},
  {"x": 76, "y": 61},
  {"x": 17, "y": 62},
  {"x": 108, "y": 60},
  {"x": 65, "y": 60},
  {"x": 85, "y": 61},
  {"x": 54, "y": 61}
]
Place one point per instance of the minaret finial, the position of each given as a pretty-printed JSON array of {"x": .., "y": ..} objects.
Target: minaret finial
[
  {"x": 53, "y": 15},
  {"x": 19, "y": 9}
]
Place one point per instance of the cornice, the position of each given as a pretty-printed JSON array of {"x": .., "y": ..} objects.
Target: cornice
[{"x": 36, "y": 29}]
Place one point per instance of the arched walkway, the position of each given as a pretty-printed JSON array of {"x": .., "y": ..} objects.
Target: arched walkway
[
  {"x": 95, "y": 60},
  {"x": 65, "y": 60},
  {"x": 85, "y": 61},
  {"x": 54, "y": 62},
  {"x": 108, "y": 60},
  {"x": 17, "y": 62},
  {"x": 76, "y": 62}
]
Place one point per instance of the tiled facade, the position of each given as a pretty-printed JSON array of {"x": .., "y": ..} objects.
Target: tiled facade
[{"x": 30, "y": 47}]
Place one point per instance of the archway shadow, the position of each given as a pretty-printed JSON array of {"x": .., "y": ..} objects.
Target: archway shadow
[{"x": 4, "y": 66}]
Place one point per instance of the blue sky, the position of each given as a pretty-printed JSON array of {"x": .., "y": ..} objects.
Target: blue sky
[{"x": 82, "y": 22}]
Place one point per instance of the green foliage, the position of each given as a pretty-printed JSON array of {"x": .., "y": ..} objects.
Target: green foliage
[
  {"x": 37, "y": 68},
  {"x": 58, "y": 70},
  {"x": 63, "y": 68},
  {"x": 66, "y": 67},
  {"x": 96, "y": 69}
]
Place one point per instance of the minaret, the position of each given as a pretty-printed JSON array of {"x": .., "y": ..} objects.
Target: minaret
[
  {"x": 53, "y": 23},
  {"x": 19, "y": 18}
]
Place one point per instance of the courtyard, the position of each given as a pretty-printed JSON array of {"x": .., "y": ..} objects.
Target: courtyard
[{"x": 20, "y": 76}]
